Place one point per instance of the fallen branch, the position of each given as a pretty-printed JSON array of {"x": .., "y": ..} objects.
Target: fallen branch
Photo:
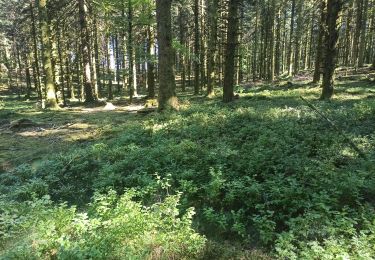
[{"x": 341, "y": 132}]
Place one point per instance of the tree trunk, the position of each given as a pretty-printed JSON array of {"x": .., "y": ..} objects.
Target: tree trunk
[
  {"x": 231, "y": 47},
  {"x": 196, "y": 47},
  {"x": 348, "y": 42},
  {"x": 278, "y": 53},
  {"x": 132, "y": 71},
  {"x": 357, "y": 32},
  {"x": 108, "y": 63},
  {"x": 330, "y": 44},
  {"x": 182, "y": 28},
  {"x": 37, "y": 81},
  {"x": 212, "y": 45},
  {"x": 61, "y": 61},
  {"x": 319, "y": 46},
  {"x": 362, "y": 43},
  {"x": 290, "y": 50},
  {"x": 96, "y": 58},
  {"x": 86, "y": 52},
  {"x": 150, "y": 63},
  {"x": 51, "y": 101},
  {"x": 167, "y": 85}
]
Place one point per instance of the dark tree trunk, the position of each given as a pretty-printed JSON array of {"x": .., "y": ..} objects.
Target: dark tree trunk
[
  {"x": 86, "y": 52},
  {"x": 167, "y": 85},
  {"x": 319, "y": 46},
  {"x": 182, "y": 27},
  {"x": 196, "y": 48},
  {"x": 330, "y": 44},
  {"x": 212, "y": 45},
  {"x": 290, "y": 50},
  {"x": 96, "y": 57},
  {"x": 61, "y": 61},
  {"x": 150, "y": 63},
  {"x": 358, "y": 29},
  {"x": 362, "y": 42},
  {"x": 37, "y": 81},
  {"x": 231, "y": 47},
  {"x": 132, "y": 71}
]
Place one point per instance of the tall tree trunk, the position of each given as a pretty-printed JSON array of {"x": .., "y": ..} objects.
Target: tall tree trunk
[
  {"x": 68, "y": 75},
  {"x": 182, "y": 28},
  {"x": 108, "y": 63},
  {"x": 37, "y": 81},
  {"x": 278, "y": 53},
  {"x": 348, "y": 42},
  {"x": 358, "y": 30},
  {"x": 196, "y": 48},
  {"x": 28, "y": 76},
  {"x": 96, "y": 58},
  {"x": 86, "y": 52},
  {"x": 319, "y": 46},
  {"x": 132, "y": 71},
  {"x": 298, "y": 36},
  {"x": 117, "y": 59},
  {"x": 290, "y": 50},
  {"x": 61, "y": 61},
  {"x": 167, "y": 84},
  {"x": 333, "y": 11},
  {"x": 255, "y": 44},
  {"x": 150, "y": 63},
  {"x": 50, "y": 87},
  {"x": 271, "y": 29},
  {"x": 212, "y": 45},
  {"x": 362, "y": 42},
  {"x": 203, "y": 47},
  {"x": 231, "y": 47}
]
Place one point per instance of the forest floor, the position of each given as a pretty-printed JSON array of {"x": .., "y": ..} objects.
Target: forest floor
[
  {"x": 77, "y": 124},
  {"x": 269, "y": 134},
  {"x": 27, "y": 134}
]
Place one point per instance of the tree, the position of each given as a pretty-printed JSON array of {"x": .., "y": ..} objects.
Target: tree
[
  {"x": 196, "y": 48},
  {"x": 231, "y": 47},
  {"x": 212, "y": 45},
  {"x": 50, "y": 87},
  {"x": 330, "y": 46},
  {"x": 319, "y": 47},
  {"x": 86, "y": 52},
  {"x": 167, "y": 84}
]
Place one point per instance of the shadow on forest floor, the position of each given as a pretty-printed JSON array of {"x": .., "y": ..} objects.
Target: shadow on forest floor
[{"x": 80, "y": 125}]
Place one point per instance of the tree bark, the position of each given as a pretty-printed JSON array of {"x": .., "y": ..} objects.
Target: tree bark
[
  {"x": 196, "y": 48},
  {"x": 212, "y": 45},
  {"x": 150, "y": 63},
  {"x": 132, "y": 70},
  {"x": 37, "y": 81},
  {"x": 50, "y": 87},
  {"x": 290, "y": 50},
  {"x": 362, "y": 42},
  {"x": 358, "y": 30},
  {"x": 319, "y": 46},
  {"x": 86, "y": 52},
  {"x": 167, "y": 84},
  {"x": 231, "y": 47},
  {"x": 333, "y": 11}
]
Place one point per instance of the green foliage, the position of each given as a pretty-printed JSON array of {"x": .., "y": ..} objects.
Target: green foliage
[
  {"x": 266, "y": 171},
  {"x": 113, "y": 227}
]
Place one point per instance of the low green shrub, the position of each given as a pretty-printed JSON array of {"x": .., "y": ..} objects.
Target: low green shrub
[{"x": 112, "y": 227}]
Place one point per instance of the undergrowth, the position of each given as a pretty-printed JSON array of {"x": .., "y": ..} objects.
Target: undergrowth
[{"x": 266, "y": 172}]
